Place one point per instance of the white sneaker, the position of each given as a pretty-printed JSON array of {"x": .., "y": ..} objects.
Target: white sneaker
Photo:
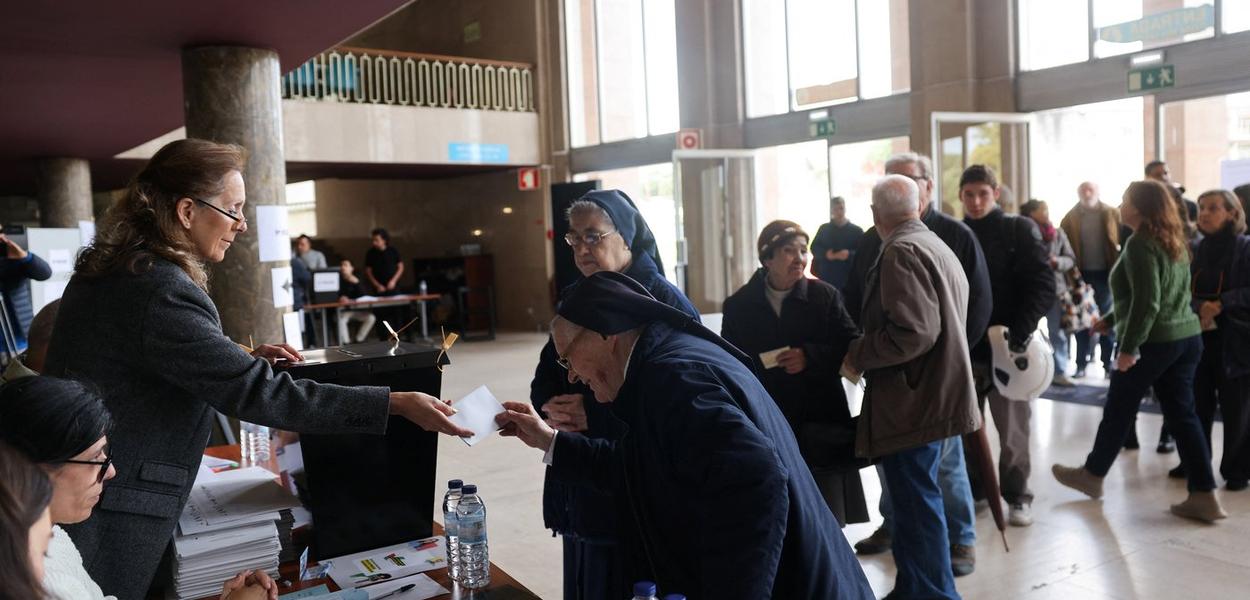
[{"x": 1020, "y": 515}]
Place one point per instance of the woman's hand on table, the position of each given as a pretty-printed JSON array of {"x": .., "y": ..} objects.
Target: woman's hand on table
[
  {"x": 250, "y": 585},
  {"x": 429, "y": 413},
  {"x": 274, "y": 352}
]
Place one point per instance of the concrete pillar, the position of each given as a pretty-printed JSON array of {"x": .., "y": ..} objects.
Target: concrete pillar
[
  {"x": 64, "y": 191},
  {"x": 963, "y": 59},
  {"x": 232, "y": 95}
]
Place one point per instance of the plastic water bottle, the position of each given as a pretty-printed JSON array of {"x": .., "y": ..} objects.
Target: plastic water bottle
[
  {"x": 450, "y": 535},
  {"x": 424, "y": 289},
  {"x": 253, "y": 444},
  {"x": 471, "y": 527},
  {"x": 644, "y": 590}
]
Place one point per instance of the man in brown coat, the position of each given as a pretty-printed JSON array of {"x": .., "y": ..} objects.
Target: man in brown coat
[
  {"x": 1093, "y": 228},
  {"x": 914, "y": 353}
]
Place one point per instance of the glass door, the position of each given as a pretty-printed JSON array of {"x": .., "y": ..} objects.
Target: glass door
[
  {"x": 1000, "y": 140},
  {"x": 715, "y": 192}
]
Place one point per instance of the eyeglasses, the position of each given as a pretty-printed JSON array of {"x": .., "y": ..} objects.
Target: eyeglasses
[
  {"x": 563, "y": 359},
  {"x": 104, "y": 466},
  {"x": 231, "y": 214},
  {"x": 590, "y": 239}
]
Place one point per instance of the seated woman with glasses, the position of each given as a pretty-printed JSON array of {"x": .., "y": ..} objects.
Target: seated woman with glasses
[
  {"x": 607, "y": 233},
  {"x": 63, "y": 427}
]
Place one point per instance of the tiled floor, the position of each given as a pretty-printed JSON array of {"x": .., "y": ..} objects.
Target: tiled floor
[{"x": 1126, "y": 546}]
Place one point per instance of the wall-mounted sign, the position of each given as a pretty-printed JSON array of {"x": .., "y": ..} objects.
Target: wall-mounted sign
[
  {"x": 1151, "y": 78},
  {"x": 472, "y": 32},
  {"x": 1167, "y": 25},
  {"x": 473, "y": 152},
  {"x": 825, "y": 128},
  {"x": 527, "y": 179},
  {"x": 690, "y": 139}
]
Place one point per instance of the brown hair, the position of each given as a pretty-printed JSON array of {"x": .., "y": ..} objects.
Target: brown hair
[
  {"x": 979, "y": 174},
  {"x": 1159, "y": 220},
  {"x": 143, "y": 226},
  {"x": 25, "y": 493},
  {"x": 1231, "y": 204}
]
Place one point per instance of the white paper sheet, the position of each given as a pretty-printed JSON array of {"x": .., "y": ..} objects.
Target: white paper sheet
[
  {"x": 234, "y": 497},
  {"x": 291, "y": 329},
  {"x": 283, "y": 286},
  {"x": 60, "y": 261},
  {"x": 476, "y": 412},
  {"x": 325, "y": 281},
  {"x": 86, "y": 232},
  {"x": 769, "y": 359},
  {"x": 388, "y": 564},
  {"x": 272, "y": 233},
  {"x": 424, "y": 588}
]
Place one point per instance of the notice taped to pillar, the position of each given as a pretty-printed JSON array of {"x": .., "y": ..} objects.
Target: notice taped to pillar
[
  {"x": 273, "y": 233},
  {"x": 283, "y": 286}
]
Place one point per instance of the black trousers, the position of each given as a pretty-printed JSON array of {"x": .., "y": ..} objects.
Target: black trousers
[
  {"x": 1231, "y": 395},
  {"x": 593, "y": 570}
]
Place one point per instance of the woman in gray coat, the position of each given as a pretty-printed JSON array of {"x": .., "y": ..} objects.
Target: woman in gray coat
[{"x": 137, "y": 322}]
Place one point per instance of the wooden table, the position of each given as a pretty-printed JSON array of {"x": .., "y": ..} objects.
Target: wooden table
[
  {"x": 379, "y": 301},
  {"x": 502, "y": 585}
]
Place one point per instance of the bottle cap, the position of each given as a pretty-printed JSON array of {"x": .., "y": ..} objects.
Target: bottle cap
[
  {"x": 454, "y": 484},
  {"x": 644, "y": 588},
  {"x": 469, "y": 489},
  {"x": 674, "y": 597}
]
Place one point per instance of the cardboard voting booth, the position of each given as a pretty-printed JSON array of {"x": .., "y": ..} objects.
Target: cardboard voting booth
[{"x": 368, "y": 491}]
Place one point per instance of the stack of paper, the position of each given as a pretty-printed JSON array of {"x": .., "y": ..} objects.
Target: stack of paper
[{"x": 231, "y": 523}]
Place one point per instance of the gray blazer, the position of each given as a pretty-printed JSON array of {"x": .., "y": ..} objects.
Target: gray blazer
[
  {"x": 152, "y": 345},
  {"x": 914, "y": 351}
]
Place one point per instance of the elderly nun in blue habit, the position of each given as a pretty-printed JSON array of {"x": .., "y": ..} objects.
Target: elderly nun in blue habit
[
  {"x": 715, "y": 500},
  {"x": 606, "y": 233}
]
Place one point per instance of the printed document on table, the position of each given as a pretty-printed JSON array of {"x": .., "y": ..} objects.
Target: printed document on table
[
  {"x": 387, "y": 564},
  {"x": 234, "y": 497},
  {"x": 476, "y": 412}
]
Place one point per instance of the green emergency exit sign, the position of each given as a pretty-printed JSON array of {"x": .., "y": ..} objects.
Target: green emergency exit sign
[
  {"x": 1151, "y": 78},
  {"x": 824, "y": 128}
]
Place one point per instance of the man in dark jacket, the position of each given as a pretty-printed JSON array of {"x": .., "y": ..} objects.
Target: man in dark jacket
[
  {"x": 606, "y": 233},
  {"x": 717, "y": 502},
  {"x": 17, "y": 268},
  {"x": 834, "y": 246},
  {"x": 1023, "y": 289},
  {"x": 952, "y": 474}
]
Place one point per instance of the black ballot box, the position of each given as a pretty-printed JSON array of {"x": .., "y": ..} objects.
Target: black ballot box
[{"x": 369, "y": 491}]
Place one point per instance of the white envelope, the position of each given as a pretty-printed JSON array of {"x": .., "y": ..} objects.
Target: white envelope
[
  {"x": 769, "y": 359},
  {"x": 476, "y": 412}
]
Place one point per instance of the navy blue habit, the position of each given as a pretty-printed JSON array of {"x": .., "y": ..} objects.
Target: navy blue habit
[{"x": 715, "y": 499}]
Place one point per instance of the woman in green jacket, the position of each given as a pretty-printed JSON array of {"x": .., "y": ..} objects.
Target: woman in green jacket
[{"x": 1160, "y": 345}]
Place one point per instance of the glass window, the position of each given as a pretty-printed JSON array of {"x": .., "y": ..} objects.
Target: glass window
[
  {"x": 1123, "y": 26},
  {"x": 660, "y": 28},
  {"x": 623, "y": 86},
  {"x": 301, "y": 207},
  {"x": 651, "y": 189},
  {"x": 855, "y": 168},
  {"x": 583, "y": 83},
  {"x": 884, "y": 48},
  {"x": 1069, "y": 145},
  {"x": 1200, "y": 134},
  {"x": 764, "y": 55},
  {"x": 1053, "y": 33},
  {"x": 821, "y": 41},
  {"x": 793, "y": 184},
  {"x": 1235, "y": 15}
]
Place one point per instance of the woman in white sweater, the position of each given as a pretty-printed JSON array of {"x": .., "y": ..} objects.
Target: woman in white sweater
[{"x": 61, "y": 425}]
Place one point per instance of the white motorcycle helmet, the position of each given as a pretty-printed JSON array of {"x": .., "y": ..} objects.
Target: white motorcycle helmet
[{"x": 1021, "y": 376}]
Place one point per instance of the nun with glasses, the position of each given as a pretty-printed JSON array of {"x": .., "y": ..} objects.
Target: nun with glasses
[{"x": 606, "y": 233}]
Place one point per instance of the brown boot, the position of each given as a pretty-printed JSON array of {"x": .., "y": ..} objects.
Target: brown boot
[
  {"x": 1079, "y": 479},
  {"x": 1203, "y": 506}
]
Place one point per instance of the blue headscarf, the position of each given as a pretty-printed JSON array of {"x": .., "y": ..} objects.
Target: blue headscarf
[{"x": 628, "y": 222}]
